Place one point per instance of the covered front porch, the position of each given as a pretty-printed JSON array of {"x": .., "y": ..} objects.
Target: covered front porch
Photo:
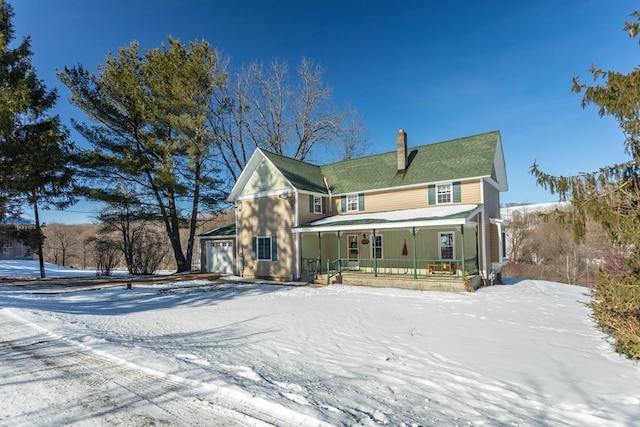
[{"x": 415, "y": 249}]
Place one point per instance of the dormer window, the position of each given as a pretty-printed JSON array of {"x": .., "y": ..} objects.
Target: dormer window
[{"x": 443, "y": 192}]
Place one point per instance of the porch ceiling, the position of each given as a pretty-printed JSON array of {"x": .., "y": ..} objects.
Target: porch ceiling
[{"x": 422, "y": 217}]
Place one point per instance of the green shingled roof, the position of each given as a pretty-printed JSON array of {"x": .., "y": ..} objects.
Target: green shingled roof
[
  {"x": 461, "y": 158},
  {"x": 456, "y": 159},
  {"x": 303, "y": 176},
  {"x": 228, "y": 230}
]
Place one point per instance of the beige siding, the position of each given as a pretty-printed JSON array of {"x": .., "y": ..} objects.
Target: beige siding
[
  {"x": 396, "y": 199},
  {"x": 410, "y": 198},
  {"x": 304, "y": 213},
  {"x": 265, "y": 178},
  {"x": 470, "y": 192},
  {"x": 389, "y": 200},
  {"x": 267, "y": 216}
]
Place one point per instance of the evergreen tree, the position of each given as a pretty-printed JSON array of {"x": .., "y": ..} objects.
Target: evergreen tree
[
  {"x": 611, "y": 197},
  {"x": 35, "y": 150},
  {"x": 150, "y": 133}
]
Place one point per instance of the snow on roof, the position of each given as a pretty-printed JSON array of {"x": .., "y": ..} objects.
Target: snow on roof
[{"x": 439, "y": 215}]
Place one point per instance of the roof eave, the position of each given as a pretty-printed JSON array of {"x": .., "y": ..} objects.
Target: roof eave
[{"x": 246, "y": 173}]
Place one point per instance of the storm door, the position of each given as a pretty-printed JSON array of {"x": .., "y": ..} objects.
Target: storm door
[{"x": 353, "y": 253}]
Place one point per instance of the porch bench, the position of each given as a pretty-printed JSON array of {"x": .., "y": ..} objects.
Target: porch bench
[{"x": 441, "y": 268}]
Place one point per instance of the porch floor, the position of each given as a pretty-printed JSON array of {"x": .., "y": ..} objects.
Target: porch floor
[{"x": 436, "y": 283}]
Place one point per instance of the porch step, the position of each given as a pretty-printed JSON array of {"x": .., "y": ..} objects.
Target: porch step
[{"x": 446, "y": 284}]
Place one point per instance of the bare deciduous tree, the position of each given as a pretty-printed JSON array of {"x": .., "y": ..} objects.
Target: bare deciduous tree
[
  {"x": 62, "y": 243},
  {"x": 262, "y": 107}
]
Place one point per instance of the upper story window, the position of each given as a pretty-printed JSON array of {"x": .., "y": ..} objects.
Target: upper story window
[
  {"x": 450, "y": 192},
  {"x": 352, "y": 203},
  {"x": 443, "y": 193},
  {"x": 317, "y": 204}
]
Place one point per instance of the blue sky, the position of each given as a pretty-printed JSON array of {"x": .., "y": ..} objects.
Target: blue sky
[{"x": 438, "y": 69}]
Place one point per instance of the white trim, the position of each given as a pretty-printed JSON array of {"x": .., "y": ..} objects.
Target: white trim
[
  {"x": 266, "y": 193},
  {"x": 403, "y": 219},
  {"x": 312, "y": 193},
  {"x": 246, "y": 173},
  {"x": 384, "y": 226},
  {"x": 296, "y": 239},
  {"x": 314, "y": 203},
  {"x": 258, "y": 259},
  {"x": 357, "y": 196},
  {"x": 450, "y": 185},
  {"x": 483, "y": 228},
  {"x": 498, "y": 223}
]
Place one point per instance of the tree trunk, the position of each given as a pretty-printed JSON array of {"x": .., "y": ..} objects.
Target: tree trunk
[
  {"x": 173, "y": 228},
  {"x": 39, "y": 231},
  {"x": 194, "y": 217}
]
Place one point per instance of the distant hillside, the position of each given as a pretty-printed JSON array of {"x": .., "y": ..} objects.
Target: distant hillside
[{"x": 506, "y": 213}]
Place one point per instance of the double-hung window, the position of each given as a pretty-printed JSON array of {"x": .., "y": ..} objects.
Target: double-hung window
[
  {"x": 352, "y": 203},
  {"x": 443, "y": 193},
  {"x": 263, "y": 248},
  {"x": 377, "y": 247},
  {"x": 317, "y": 204}
]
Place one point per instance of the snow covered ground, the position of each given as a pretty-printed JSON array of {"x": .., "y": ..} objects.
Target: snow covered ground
[
  {"x": 241, "y": 353},
  {"x": 29, "y": 269}
]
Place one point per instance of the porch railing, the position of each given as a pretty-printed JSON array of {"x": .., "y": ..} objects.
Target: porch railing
[
  {"x": 334, "y": 268},
  {"x": 311, "y": 265},
  {"x": 405, "y": 267}
]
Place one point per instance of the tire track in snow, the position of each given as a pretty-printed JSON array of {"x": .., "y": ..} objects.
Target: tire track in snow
[{"x": 117, "y": 391}]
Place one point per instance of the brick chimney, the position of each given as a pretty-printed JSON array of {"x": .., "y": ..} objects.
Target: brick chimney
[{"x": 402, "y": 150}]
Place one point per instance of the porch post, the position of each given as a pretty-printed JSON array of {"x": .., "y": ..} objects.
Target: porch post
[
  {"x": 477, "y": 251},
  {"x": 319, "y": 267},
  {"x": 463, "y": 253},
  {"x": 339, "y": 253},
  {"x": 415, "y": 261},
  {"x": 375, "y": 260}
]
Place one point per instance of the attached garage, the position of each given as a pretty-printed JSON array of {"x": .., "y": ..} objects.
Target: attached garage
[{"x": 217, "y": 250}]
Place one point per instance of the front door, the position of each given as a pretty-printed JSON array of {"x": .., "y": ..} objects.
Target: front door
[{"x": 353, "y": 252}]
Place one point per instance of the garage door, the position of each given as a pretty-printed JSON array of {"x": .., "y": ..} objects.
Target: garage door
[{"x": 220, "y": 256}]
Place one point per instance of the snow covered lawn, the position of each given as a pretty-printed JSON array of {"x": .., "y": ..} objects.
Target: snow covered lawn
[{"x": 521, "y": 354}]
